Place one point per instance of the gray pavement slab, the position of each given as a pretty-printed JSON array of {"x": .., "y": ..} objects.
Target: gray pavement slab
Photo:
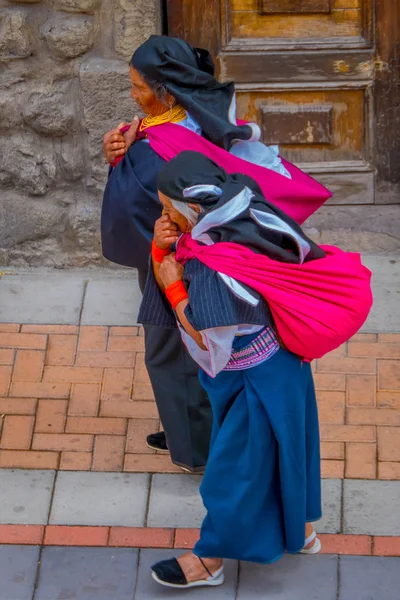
[
  {"x": 87, "y": 574},
  {"x": 369, "y": 578},
  {"x": 291, "y": 578},
  {"x": 18, "y": 567},
  {"x": 25, "y": 496},
  {"x": 111, "y": 303},
  {"x": 175, "y": 501},
  {"x": 372, "y": 507},
  {"x": 331, "y": 507},
  {"x": 41, "y": 298},
  {"x": 385, "y": 314},
  {"x": 148, "y": 589},
  {"x": 82, "y": 498}
]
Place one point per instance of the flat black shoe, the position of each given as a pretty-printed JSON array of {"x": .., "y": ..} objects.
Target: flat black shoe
[
  {"x": 170, "y": 574},
  {"x": 157, "y": 441}
]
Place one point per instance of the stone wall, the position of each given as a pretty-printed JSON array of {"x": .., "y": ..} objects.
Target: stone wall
[{"x": 64, "y": 82}]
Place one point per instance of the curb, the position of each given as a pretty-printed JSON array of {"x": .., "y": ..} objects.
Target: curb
[{"x": 152, "y": 537}]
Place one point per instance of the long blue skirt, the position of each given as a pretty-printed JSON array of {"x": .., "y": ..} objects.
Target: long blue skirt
[{"x": 262, "y": 481}]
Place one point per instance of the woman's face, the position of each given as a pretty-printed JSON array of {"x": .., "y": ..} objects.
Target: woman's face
[
  {"x": 175, "y": 216},
  {"x": 144, "y": 96}
]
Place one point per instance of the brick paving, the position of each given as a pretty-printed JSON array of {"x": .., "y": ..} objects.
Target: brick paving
[{"x": 78, "y": 398}]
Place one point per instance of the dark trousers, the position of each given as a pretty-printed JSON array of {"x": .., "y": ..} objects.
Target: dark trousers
[{"x": 183, "y": 405}]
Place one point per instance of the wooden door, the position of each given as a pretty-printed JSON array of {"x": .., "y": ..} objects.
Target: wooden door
[{"x": 321, "y": 78}]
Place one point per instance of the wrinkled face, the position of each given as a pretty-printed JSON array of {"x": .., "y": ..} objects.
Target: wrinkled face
[
  {"x": 144, "y": 96},
  {"x": 175, "y": 216}
]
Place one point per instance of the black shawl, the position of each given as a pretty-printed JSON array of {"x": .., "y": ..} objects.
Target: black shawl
[
  {"x": 188, "y": 74},
  {"x": 260, "y": 226}
]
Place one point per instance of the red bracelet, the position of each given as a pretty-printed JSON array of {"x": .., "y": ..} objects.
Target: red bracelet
[
  {"x": 176, "y": 292},
  {"x": 158, "y": 253}
]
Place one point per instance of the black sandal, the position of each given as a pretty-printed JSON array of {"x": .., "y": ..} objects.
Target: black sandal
[{"x": 169, "y": 573}]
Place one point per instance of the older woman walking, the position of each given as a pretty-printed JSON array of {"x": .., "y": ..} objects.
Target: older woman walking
[{"x": 261, "y": 487}]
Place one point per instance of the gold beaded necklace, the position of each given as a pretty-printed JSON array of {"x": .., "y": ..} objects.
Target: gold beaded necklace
[{"x": 174, "y": 115}]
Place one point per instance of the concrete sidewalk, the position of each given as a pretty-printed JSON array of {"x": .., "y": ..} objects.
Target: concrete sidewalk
[{"x": 86, "y": 507}]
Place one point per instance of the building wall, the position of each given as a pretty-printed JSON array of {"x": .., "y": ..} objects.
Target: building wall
[{"x": 64, "y": 82}]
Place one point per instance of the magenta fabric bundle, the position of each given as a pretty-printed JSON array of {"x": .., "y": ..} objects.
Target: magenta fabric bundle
[
  {"x": 316, "y": 306},
  {"x": 298, "y": 197}
]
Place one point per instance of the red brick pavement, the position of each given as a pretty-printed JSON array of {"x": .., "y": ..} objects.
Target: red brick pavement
[{"x": 79, "y": 399}]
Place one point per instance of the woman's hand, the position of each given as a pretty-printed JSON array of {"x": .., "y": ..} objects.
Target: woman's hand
[
  {"x": 165, "y": 232},
  {"x": 116, "y": 144},
  {"x": 170, "y": 270}
]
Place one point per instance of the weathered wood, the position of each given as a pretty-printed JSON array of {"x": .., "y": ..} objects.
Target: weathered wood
[
  {"x": 246, "y": 67},
  {"x": 197, "y": 22},
  {"x": 338, "y": 23},
  {"x": 297, "y": 124},
  {"x": 255, "y": 4},
  {"x": 387, "y": 100},
  {"x": 294, "y": 6}
]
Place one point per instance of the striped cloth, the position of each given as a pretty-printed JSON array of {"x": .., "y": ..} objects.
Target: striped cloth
[{"x": 263, "y": 347}]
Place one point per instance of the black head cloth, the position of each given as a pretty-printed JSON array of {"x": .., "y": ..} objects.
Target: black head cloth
[
  {"x": 188, "y": 74},
  {"x": 235, "y": 209}
]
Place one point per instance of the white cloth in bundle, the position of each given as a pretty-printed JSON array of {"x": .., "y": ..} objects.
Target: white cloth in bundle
[{"x": 260, "y": 154}]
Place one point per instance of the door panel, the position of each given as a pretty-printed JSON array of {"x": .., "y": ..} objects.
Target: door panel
[
  {"x": 310, "y": 126},
  {"x": 249, "y": 22},
  {"x": 289, "y": 6}
]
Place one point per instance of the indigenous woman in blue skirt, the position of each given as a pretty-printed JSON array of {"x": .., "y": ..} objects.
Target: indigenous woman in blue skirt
[{"x": 261, "y": 487}]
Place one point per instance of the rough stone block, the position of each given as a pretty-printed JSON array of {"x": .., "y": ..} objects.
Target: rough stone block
[
  {"x": 10, "y": 109},
  {"x": 134, "y": 24},
  {"x": 51, "y": 112},
  {"x": 83, "y": 6},
  {"x": 69, "y": 36},
  {"x": 71, "y": 157},
  {"x": 30, "y": 229},
  {"x": 15, "y": 41},
  {"x": 105, "y": 89},
  {"x": 27, "y": 164},
  {"x": 82, "y": 229}
]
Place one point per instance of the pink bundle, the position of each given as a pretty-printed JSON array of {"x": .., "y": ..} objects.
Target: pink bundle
[{"x": 316, "y": 306}]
